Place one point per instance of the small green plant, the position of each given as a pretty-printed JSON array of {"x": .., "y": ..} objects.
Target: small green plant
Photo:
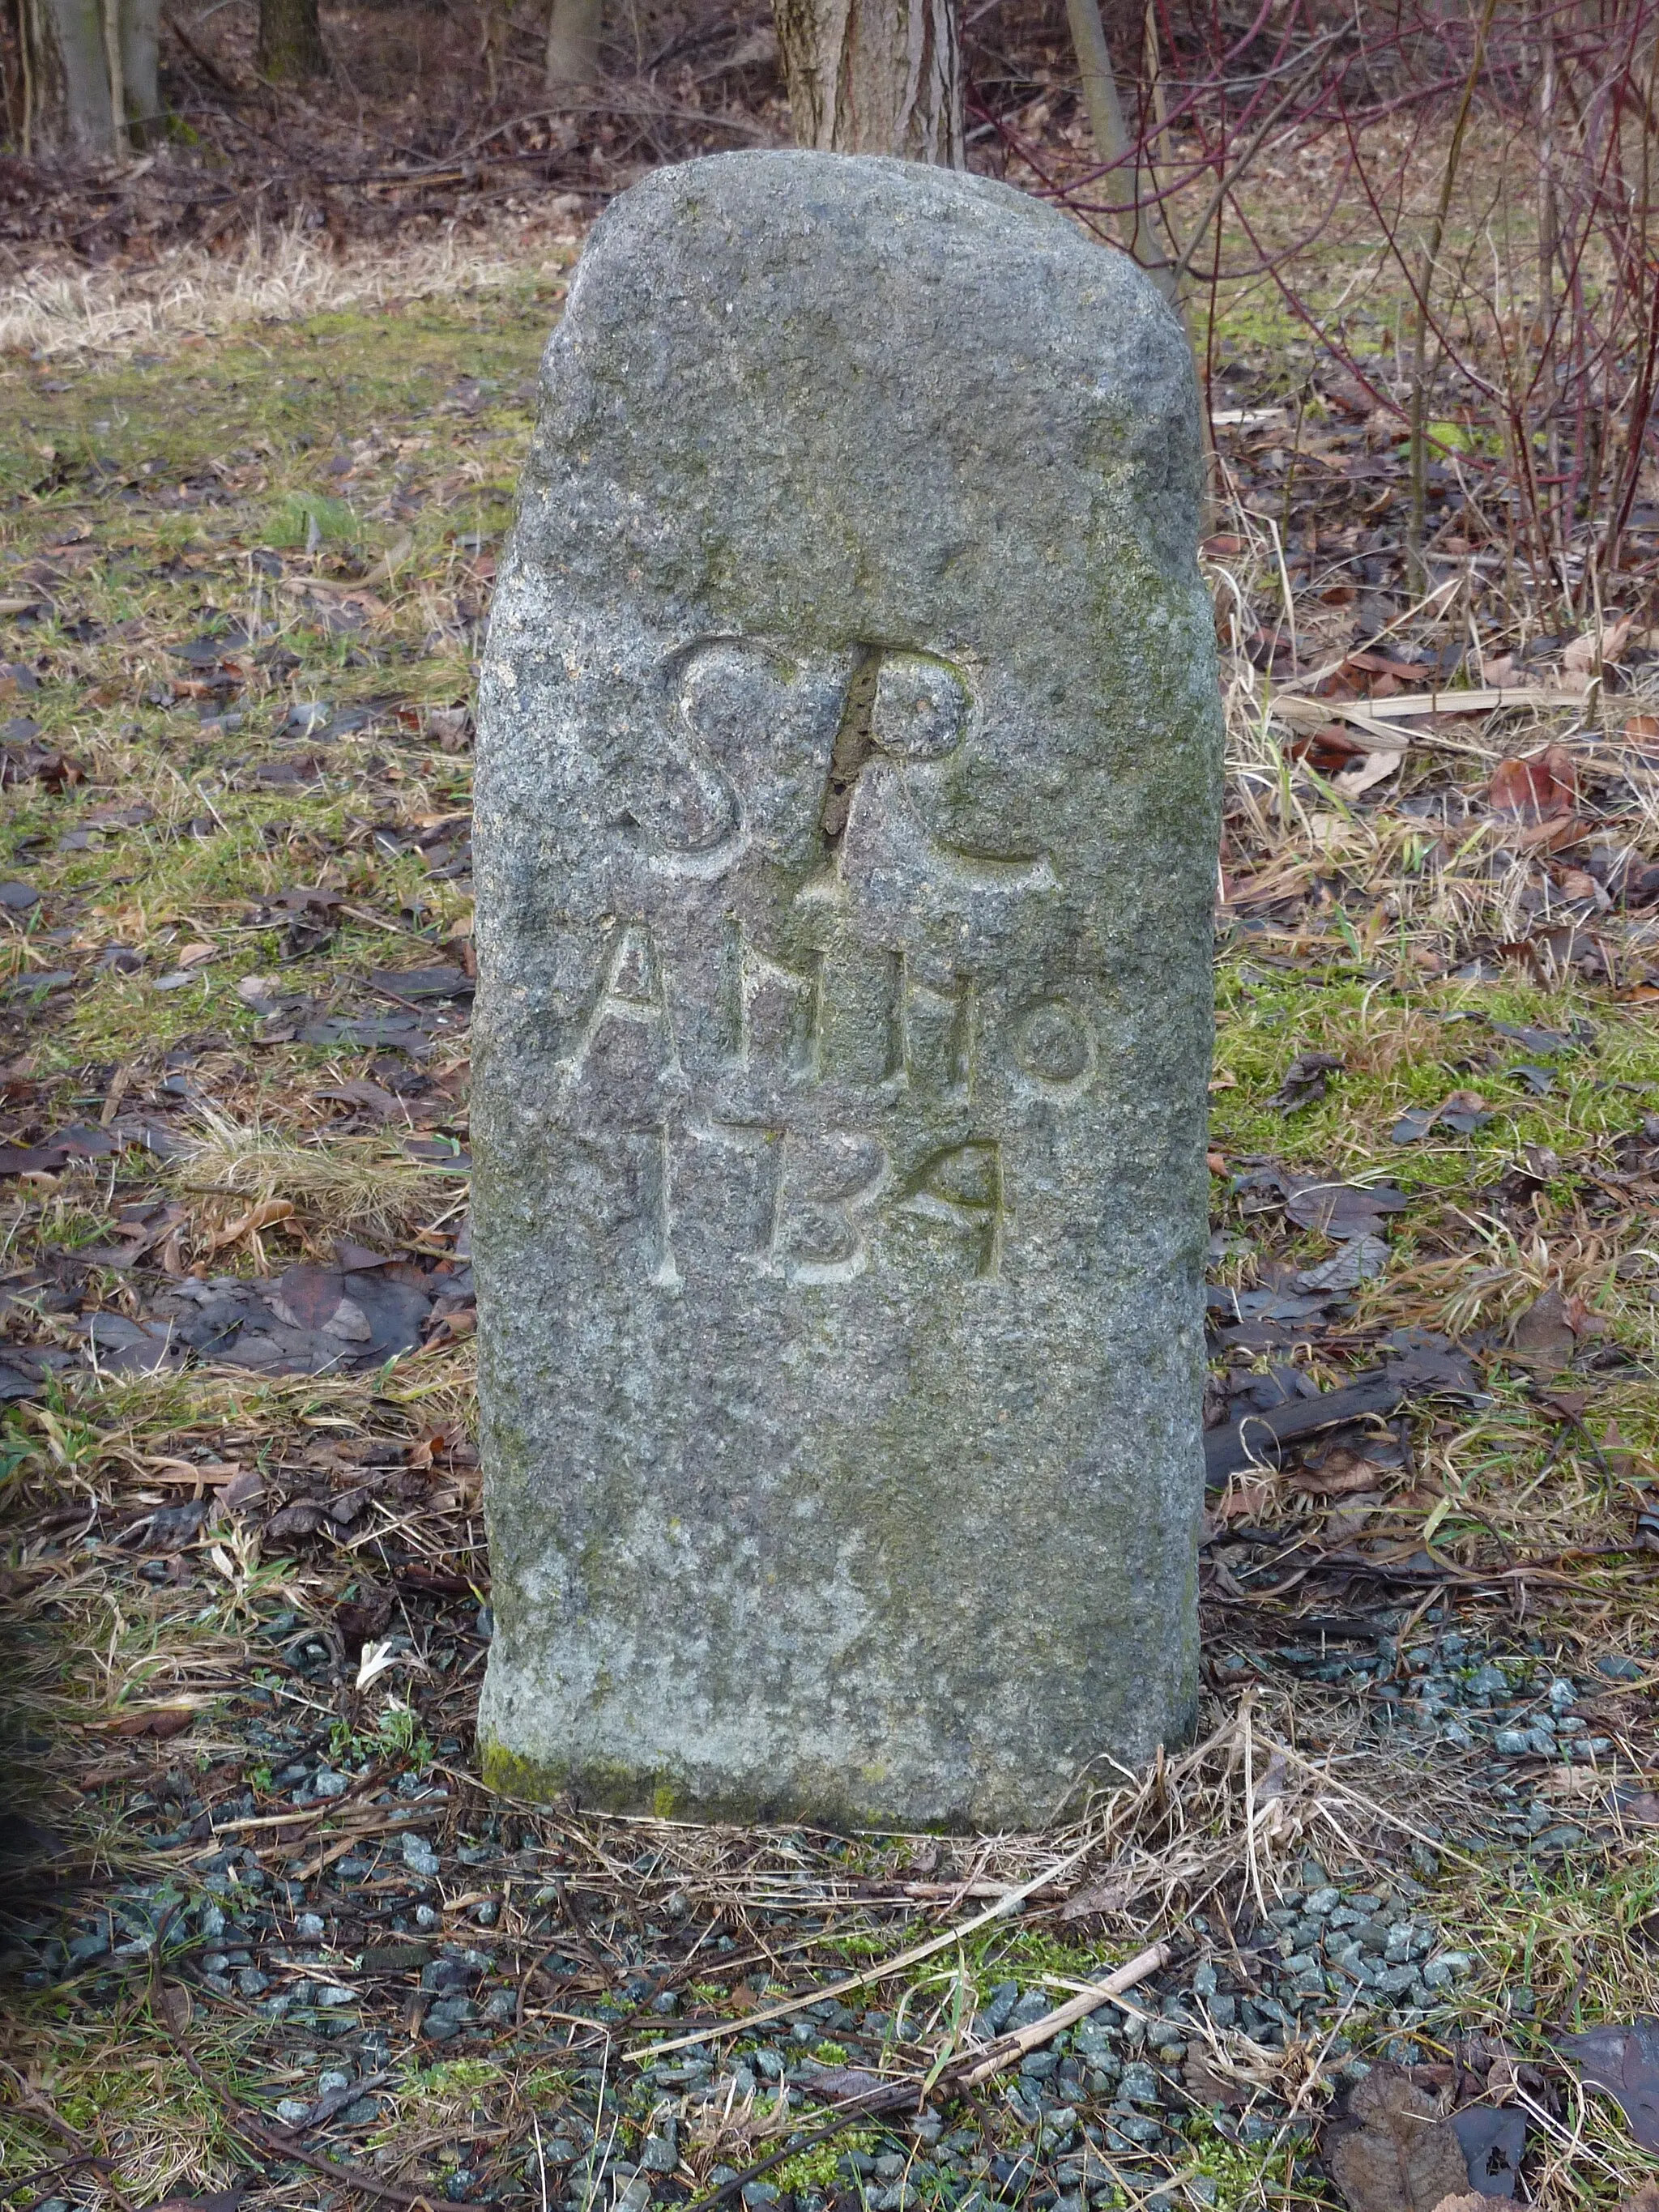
[
  {"x": 816, "y": 2168},
  {"x": 396, "y": 1736},
  {"x": 309, "y": 519},
  {"x": 860, "y": 1946},
  {"x": 455, "y": 2077},
  {"x": 1028, "y": 1954},
  {"x": 830, "y": 2053},
  {"x": 1244, "y": 2175},
  {"x": 547, "y": 2085},
  {"x": 399, "y": 1734}
]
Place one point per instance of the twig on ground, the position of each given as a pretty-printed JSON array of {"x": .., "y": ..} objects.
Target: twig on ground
[
  {"x": 649, "y": 2054},
  {"x": 964, "y": 2073}
]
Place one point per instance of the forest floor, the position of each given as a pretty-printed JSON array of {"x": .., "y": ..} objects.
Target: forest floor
[{"x": 272, "y": 1939}]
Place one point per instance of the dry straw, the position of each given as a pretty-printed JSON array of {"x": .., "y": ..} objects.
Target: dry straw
[{"x": 272, "y": 276}]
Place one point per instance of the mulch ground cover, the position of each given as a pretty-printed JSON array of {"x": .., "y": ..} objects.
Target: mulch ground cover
[{"x": 269, "y": 1939}]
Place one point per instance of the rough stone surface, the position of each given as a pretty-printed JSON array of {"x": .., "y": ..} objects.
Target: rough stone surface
[{"x": 848, "y": 776}]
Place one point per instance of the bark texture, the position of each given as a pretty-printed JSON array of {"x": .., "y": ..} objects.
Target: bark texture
[
  {"x": 141, "y": 28},
  {"x": 291, "y": 46},
  {"x": 76, "y": 117},
  {"x": 874, "y": 76},
  {"x": 573, "y": 41}
]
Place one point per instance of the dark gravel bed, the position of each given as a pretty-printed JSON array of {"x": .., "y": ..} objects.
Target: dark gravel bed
[{"x": 362, "y": 1919}]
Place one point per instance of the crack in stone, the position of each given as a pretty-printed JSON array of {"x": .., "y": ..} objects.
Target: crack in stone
[{"x": 855, "y": 742}]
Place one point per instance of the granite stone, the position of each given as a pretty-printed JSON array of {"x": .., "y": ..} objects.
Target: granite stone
[{"x": 848, "y": 777}]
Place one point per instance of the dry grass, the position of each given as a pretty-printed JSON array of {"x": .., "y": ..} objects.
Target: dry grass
[
  {"x": 354, "y": 1186},
  {"x": 193, "y": 293}
]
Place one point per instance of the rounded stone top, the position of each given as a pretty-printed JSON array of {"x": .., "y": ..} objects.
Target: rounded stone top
[{"x": 879, "y": 207}]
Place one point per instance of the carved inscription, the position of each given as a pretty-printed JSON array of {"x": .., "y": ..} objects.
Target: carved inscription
[
  {"x": 1054, "y": 1047},
  {"x": 808, "y": 1208},
  {"x": 814, "y": 1209},
  {"x": 785, "y": 754},
  {"x": 781, "y": 1003},
  {"x": 835, "y": 768},
  {"x": 942, "y": 1019},
  {"x": 632, "y": 988}
]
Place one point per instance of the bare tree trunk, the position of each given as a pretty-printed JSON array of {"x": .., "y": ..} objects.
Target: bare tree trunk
[
  {"x": 1135, "y": 224},
  {"x": 141, "y": 31},
  {"x": 117, "y": 83},
  {"x": 874, "y": 76},
  {"x": 85, "y": 121},
  {"x": 291, "y": 46},
  {"x": 573, "y": 42}
]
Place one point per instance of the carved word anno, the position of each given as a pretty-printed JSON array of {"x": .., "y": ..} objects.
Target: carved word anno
[
  {"x": 775, "y": 1018},
  {"x": 812, "y": 1212},
  {"x": 789, "y": 753}
]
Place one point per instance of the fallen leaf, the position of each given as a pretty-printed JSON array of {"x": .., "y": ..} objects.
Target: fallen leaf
[
  {"x": 1342, "y": 1210},
  {"x": 1350, "y": 1519},
  {"x": 153, "y": 1720},
  {"x": 1597, "y": 648},
  {"x": 847, "y": 2081},
  {"x": 1493, "y": 2138},
  {"x": 265, "y": 1215},
  {"x": 1205, "y": 2085},
  {"x": 1622, "y": 2062},
  {"x": 1374, "y": 768},
  {"x": 306, "y": 1297},
  {"x": 423, "y": 983},
  {"x": 1341, "y": 1473},
  {"x": 1397, "y": 2154},
  {"x": 1245, "y": 1498},
  {"x": 1543, "y": 788},
  {"x": 1544, "y": 1336},
  {"x": 1306, "y": 1081},
  {"x": 359, "y": 1091},
  {"x": 1360, "y": 1258}
]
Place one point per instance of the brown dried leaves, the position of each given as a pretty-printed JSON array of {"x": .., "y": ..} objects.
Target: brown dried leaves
[{"x": 1396, "y": 2153}]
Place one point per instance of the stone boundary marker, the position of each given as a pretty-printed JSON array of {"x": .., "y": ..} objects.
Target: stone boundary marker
[{"x": 848, "y": 807}]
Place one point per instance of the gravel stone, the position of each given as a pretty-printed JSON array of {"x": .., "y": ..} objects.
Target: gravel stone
[
  {"x": 419, "y": 1857},
  {"x": 1139, "y": 2085}
]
